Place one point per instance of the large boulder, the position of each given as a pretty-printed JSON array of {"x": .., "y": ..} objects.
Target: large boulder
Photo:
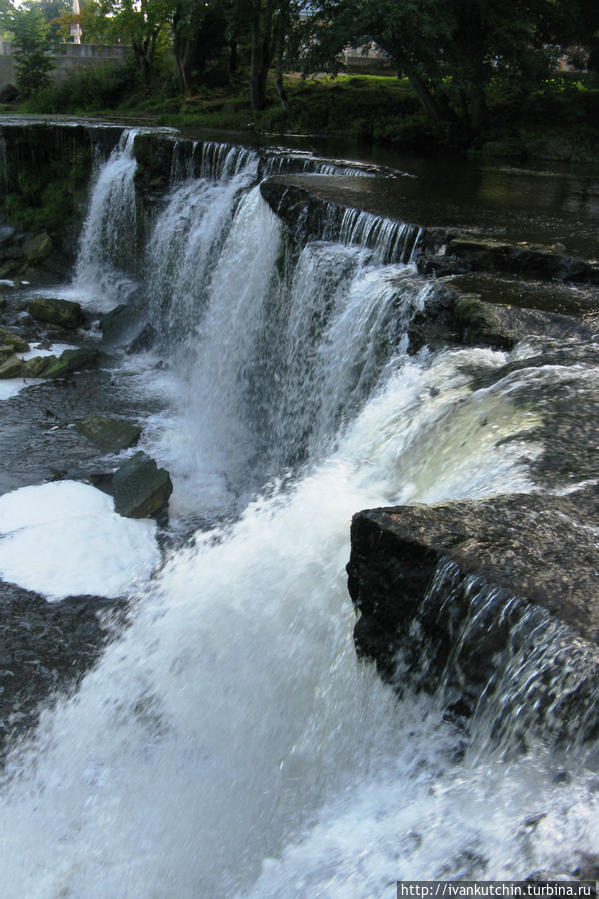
[
  {"x": 11, "y": 368},
  {"x": 109, "y": 434},
  {"x": 64, "y": 313},
  {"x": 140, "y": 488},
  {"x": 451, "y": 594},
  {"x": 13, "y": 342}
]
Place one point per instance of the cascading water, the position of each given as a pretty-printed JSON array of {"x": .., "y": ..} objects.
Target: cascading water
[
  {"x": 103, "y": 266},
  {"x": 229, "y": 743}
]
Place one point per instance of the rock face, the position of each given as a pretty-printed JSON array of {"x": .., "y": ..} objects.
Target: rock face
[
  {"x": 453, "y": 593},
  {"x": 64, "y": 313},
  {"x": 140, "y": 488},
  {"x": 453, "y": 317},
  {"x": 109, "y": 434}
]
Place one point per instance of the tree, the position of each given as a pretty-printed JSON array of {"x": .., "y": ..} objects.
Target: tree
[
  {"x": 270, "y": 24},
  {"x": 144, "y": 24},
  {"x": 450, "y": 51},
  {"x": 199, "y": 33},
  {"x": 32, "y": 48}
]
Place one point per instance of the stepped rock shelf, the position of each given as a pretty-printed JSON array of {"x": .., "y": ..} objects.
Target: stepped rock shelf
[{"x": 535, "y": 551}]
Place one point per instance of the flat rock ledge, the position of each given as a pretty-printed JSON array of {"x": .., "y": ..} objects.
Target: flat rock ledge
[{"x": 492, "y": 600}]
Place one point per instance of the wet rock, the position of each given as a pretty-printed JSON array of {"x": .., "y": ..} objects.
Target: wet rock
[
  {"x": 11, "y": 368},
  {"x": 452, "y": 317},
  {"x": 13, "y": 341},
  {"x": 65, "y": 313},
  {"x": 140, "y": 488},
  {"x": 474, "y": 253},
  {"x": 37, "y": 248},
  {"x": 109, "y": 434},
  {"x": 71, "y": 360},
  {"x": 143, "y": 341},
  {"x": 122, "y": 324},
  {"x": 451, "y": 592},
  {"x": 38, "y": 366}
]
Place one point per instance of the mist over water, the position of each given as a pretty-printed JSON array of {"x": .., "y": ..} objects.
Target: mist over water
[{"x": 229, "y": 742}]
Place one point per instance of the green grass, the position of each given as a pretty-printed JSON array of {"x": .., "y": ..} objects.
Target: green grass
[{"x": 372, "y": 108}]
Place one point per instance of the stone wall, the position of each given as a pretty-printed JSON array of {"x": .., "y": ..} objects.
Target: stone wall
[{"x": 67, "y": 58}]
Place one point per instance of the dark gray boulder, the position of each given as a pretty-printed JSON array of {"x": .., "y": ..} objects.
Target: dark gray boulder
[
  {"x": 109, "y": 434},
  {"x": 451, "y": 594},
  {"x": 140, "y": 488}
]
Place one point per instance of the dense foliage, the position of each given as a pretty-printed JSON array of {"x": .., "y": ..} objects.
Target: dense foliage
[{"x": 459, "y": 56}]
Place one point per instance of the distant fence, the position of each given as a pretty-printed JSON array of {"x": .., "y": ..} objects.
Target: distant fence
[{"x": 67, "y": 58}]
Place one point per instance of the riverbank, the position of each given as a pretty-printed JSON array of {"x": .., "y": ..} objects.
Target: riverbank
[{"x": 558, "y": 123}]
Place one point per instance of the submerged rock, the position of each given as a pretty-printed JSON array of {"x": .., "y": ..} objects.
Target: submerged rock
[
  {"x": 110, "y": 434},
  {"x": 140, "y": 488},
  {"x": 65, "y": 313}
]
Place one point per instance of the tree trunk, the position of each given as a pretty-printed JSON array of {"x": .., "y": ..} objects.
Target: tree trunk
[
  {"x": 478, "y": 110},
  {"x": 261, "y": 30},
  {"x": 280, "y": 34}
]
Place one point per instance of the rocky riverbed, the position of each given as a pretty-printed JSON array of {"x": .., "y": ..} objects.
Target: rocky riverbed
[{"x": 67, "y": 416}]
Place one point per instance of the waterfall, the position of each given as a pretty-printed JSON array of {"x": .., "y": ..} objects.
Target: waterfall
[
  {"x": 229, "y": 742},
  {"x": 390, "y": 239},
  {"x": 108, "y": 241}
]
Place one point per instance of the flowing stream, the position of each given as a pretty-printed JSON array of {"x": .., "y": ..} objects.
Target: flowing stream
[{"x": 229, "y": 742}]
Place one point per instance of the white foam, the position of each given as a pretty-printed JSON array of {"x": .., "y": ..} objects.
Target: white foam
[
  {"x": 56, "y": 349},
  {"x": 11, "y": 386},
  {"x": 64, "y": 539}
]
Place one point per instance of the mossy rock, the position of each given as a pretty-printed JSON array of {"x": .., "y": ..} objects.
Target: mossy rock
[
  {"x": 38, "y": 366},
  {"x": 473, "y": 315},
  {"x": 65, "y": 313},
  {"x": 110, "y": 434},
  {"x": 71, "y": 360},
  {"x": 11, "y": 368},
  {"x": 13, "y": 341}
]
